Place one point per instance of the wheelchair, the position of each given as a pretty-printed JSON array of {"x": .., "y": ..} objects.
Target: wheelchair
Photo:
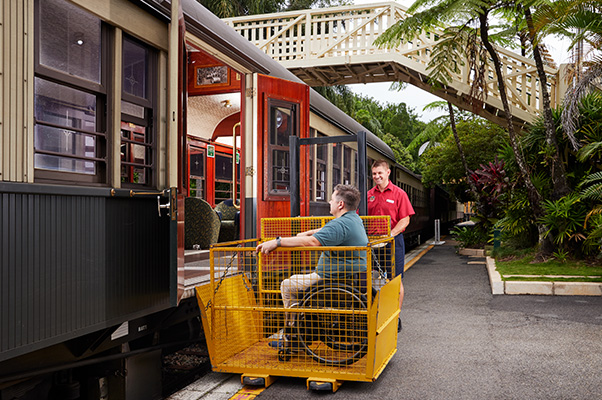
[{"x": 331, "y": 325}]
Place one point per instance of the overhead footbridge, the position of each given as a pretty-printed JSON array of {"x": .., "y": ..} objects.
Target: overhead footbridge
[{"x": 335, "y": 46}]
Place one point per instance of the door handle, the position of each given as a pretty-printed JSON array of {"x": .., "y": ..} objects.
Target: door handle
[{"x": 160, "y": 206}]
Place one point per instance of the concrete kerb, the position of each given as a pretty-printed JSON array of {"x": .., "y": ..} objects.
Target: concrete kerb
[
  {"x": 495, "y": 279},
  {"x": 498, "y": 286}
]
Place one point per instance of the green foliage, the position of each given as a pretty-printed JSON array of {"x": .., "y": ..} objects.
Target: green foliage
[
  {"x": 573, "y": 222},
  {"x": 564, "y": 219},
  {"x": 394, "y": 124},
  {"x": 517, "y": 223},
  {"x": 402, "y": 155},
  {"x": 591, "y": 191},
  {"x": 470, "y": 236},
  {"x": 561, "y": 255},
  {"x": 589, "y": 131},
  {"x": 228, "y": 8},
  {"x": 492, "y": 186},
  {"x": 593, "y": 242},
  {"x": 522, "y": 263},
  {"x": 441, "y": 164},
  {"x": 591, "y": 187},
  {"x": 341, "y": 96}
]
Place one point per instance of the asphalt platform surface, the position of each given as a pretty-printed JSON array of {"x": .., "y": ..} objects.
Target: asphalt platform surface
[{"x": 461, "y": 342}]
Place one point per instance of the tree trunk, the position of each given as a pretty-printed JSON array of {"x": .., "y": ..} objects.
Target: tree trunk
[
  {"x": 545, "y": 246},
  {"x": 558, "y": 173},
  {"x": 533, "y": 194},
  {"x": 452, "y": 120}
]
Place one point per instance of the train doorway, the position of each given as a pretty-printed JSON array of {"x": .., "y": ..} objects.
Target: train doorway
[
  {"x": 214, "y": 115},
  {"x": 283, "y": 112}
]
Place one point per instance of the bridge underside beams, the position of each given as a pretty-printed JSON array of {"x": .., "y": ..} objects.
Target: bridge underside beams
[{"x": 345, "y": 74}]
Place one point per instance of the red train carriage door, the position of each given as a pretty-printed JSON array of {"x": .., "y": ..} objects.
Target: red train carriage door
[{"x": 283, "y": 111}]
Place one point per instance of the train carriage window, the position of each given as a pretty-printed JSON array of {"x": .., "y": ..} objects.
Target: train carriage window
[
  {"x": 71, "y": 40},
  {"x": 312, "y": 167},
  {"x": 69, "y": 94},
  {"x": 337, "y": 159},
  {"x": 197, "y": 172},
  {"x": 321, "y": 175},
  {"x": 283, "y": 122},
  {"x": 72, "y": 76},
  {"x": 223, "y": 177},
  {"x": 135, "y": 150},
  {"x": 347, "y": 159},
  {"x": 370, "y": 181},
  {"x": 137, "y": 113}
]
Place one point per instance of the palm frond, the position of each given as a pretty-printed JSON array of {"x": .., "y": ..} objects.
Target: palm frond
[
  {"x": 570, "y": 115},
  {"x": 589, "y": 150},
  {"x": 592, "y": 187}
]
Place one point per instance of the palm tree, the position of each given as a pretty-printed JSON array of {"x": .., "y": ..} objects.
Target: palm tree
[
  {"x": 580, "y": 21},
  {"x": 557, "y": 170},
  {"x": 466, "y": 35},
  {"x": 437, "y": 135},
  {"x": 452, "y": 122}
]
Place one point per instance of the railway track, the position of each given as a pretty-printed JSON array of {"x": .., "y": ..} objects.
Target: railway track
[{"x": 181, "y": 367}]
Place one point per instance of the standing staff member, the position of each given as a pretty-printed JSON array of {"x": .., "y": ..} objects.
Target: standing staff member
[{"x": 388, "y": 199}]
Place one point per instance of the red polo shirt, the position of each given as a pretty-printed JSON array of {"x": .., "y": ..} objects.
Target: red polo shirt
[{"x": 392, "y": 201}]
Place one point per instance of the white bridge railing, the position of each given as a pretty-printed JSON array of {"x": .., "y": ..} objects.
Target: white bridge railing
[{"x": 323, "y": 46}]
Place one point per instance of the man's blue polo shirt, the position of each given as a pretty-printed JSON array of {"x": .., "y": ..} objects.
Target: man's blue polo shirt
[{"x": 346, "y": 230}]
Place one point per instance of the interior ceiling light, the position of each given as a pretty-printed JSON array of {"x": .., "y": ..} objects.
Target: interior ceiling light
[{"x": 78, "y": 38}]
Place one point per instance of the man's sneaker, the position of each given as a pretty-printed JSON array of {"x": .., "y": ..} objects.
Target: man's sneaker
[
  {"x": 293, "y": 346},
  {"x": 278, "y": 335}
]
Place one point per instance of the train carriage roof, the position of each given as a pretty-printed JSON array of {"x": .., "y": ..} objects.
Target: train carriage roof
[{"x": 215, "y": 32}]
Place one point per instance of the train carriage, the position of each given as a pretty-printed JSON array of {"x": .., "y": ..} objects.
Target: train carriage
[{"x": 112, "y": 114}]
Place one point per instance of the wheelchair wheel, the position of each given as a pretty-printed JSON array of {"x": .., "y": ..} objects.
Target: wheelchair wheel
[{"x": 336, "y": 333}]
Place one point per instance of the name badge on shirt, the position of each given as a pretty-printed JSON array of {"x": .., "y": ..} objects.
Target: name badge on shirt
[{"x": 390, "y": 201}]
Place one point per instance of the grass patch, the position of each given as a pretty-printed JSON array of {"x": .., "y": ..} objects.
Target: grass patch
[{"x": 522, "y": 264}]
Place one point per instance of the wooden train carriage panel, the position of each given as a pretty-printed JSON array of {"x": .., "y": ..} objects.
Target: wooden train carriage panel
[
  {"x": 420, "y": 223},
  {"x": 284, "y": 111},
  {"x": 78, "y": 253},
  {"x": 76, "y": 260}
]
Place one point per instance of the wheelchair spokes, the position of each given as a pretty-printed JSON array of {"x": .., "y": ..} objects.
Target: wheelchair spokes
[{"x": 336, "y": 333}]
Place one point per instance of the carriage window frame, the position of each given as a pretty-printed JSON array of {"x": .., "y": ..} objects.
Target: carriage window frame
[
  {"x": 272, "y": 146},
  {"x": 199, "y": 192},
  {"x": 321, "y": 171},
  {"x": 369, "y": 180},
  {"x": 221, "y": 182},
  {"x": 348, "y": 153},
  {"x": 337, "y": 167},
  {"x": 312, "y": 193},
  {"x": 68, "y": 80},
  {"x": 145, "y": 118}
]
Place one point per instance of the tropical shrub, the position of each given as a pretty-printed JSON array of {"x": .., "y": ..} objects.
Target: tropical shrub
[
  {"x": 441, "y": 164},
  {"x": 564, "y": 219},
  {"x": 470, "y": 236}
]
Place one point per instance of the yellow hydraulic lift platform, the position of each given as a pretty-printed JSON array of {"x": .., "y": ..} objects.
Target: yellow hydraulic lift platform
[{"x": 342, "y": 329}]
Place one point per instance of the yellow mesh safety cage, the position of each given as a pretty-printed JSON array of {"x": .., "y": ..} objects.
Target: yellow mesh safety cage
[{"x": 341, "y": 327}]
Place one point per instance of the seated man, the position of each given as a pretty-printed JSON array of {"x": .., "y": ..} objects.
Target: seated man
[{"x": 346, "y": 229}]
